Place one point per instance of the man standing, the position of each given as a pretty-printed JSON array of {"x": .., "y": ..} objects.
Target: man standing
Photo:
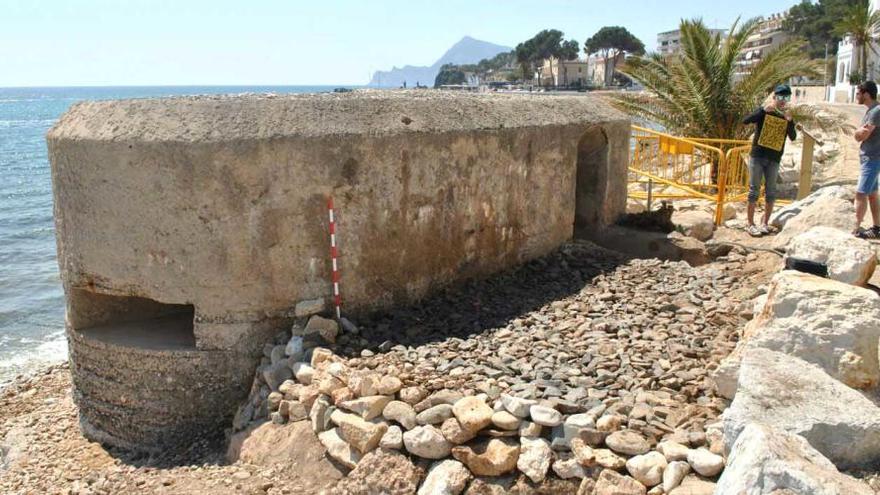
[
  {"x": 772, "y": 124},
  {"x": 869, "y": 155}
]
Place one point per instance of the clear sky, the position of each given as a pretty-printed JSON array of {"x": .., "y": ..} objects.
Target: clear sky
[{"x": 195, "y": 42}]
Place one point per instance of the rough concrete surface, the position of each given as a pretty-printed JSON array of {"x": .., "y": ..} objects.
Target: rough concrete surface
[{"x": 217, "y": 207}]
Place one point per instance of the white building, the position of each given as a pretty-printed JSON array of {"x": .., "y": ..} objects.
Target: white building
[
  {"x": 669, "y": 42},
  {"x": 768, "y": 36},
  {"x": 848, "y": 54}
]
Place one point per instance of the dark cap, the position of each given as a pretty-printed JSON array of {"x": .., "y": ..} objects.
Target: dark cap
[{"x": 782, "y": 89}]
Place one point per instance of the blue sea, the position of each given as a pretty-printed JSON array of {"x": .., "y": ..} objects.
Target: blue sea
[{"x": 31, "y": 299}]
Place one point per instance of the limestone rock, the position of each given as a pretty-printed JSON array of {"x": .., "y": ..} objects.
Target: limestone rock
[
  {"x": 413, "y": 395},
  {"x": 401, "y": 412},
  {"x": 690, "y": 250},
  {"x": 705, "y": 463},
  {"x": 453, "y": 431},
  {"x": 517, "y": 406},
  {"x": 693, "y": 485},
  {"x": 545, "y": 416},
  {"x": 364, "y": 383},
  {"x": 627, "y": 442},
  {"x": 381, "y": 471},
  {"x": 535, "y": 456},
  {"x": 613, "y": 483},
  {"x": 608, "y": 459},
  {"x": 303, "y": 373},
  {"x": 434, "y": 415},
  {"x": 426, "y": 442},
  {"x": 674, "y": 474},
  {"x": 368, "y": 407},
  {"x": 569, "y": 429},
  {"x": 782, "y": 215},
  {"x": 309, "y": 307},
  {"x": 489, "y": 458},
  {"x": 609, "y": 423},
  {"x": 445, "y": 478},
  {"x": 328, "y": 329},
  {"x": 849, "y": 259},
  {"x": 392, "y": 439},
  {"x": 339, "y": 449},
  {"x": 763, "y": 460},
  {"x": 569, "y": 467},
  {"x": 389, "y": 385},
  {"x": 695, "y": 223},
  {"x": 472, "y": 413},
  {"x": 821, "y": 321},
  {"x": 362, "y": 435},
  {"x": 789, "y": 394},
  {"x": 673, "y": 451},
  {"x": 648, "y": 468},
  {"x": 505, "y": 420},
  {"x": 584, "y": 454},
  {"x": 320, "y": 414},
  {"x": 529, "y": 429},
  {"x": 826, "y": 211}
]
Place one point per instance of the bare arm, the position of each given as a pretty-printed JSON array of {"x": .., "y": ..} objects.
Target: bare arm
[{"x": 864, "y": 132}]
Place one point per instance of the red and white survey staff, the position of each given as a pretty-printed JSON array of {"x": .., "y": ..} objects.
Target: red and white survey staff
[{"x": 334, "y": 254}]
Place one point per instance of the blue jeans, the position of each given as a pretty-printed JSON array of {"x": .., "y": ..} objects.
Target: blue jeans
[
  {"x": 766, "y": 170},
  {"x": 868, "y": 175}
]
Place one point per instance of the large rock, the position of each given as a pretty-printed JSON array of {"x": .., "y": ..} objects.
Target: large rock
[
  {"x": 472, "y": 413},
  {"x": 849, "y": 259},
  {"x": 535, "y": 457},
  {"x": 826, "y": 211},
  {"x": 827, "y": 323},
  {"x": 490, "y": 458},
  {"x": 339, "y": 449},
  {"x": 362, "y": 435},
  {"x": 613, "y": 483},
  {"x": 648, "y": 468},
  {"x": 791, "y": 395},
  {"x": 284, "y": 446},
  {"x": 446, "y": 478},
  {"x": 782, "y": 215},
  {"x": 694, "y": 223},
  {"x": 763, "y": 460},
  {"x": 381, "y": 471},
  {"x": 427, "y": 442}
]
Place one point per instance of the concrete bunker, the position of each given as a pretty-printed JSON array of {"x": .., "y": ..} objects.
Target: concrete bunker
[{"x": 189, "y": 228}]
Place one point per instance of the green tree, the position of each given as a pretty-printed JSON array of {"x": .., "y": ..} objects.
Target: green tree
[
  {"x": 450, "y": 74},
  {"x": 570, "y": 50},
  {"x": 695, "y": 93},
  {"x": 860, "y": 22},
  {"x": 613, "y": 42},
  {"x": 814, "y": 21},
  {"x": 525, "y": 57}
]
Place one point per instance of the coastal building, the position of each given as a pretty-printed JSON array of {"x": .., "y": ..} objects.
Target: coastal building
[
  {"x": 596, "y": 70},
  {"x": 768, "y": 36},
  {"x": 172, "y": 295},
  {"x": 565, "y": 73},
  {"x": 848, "y": 55},
  {"x": 669, "y": 42}
]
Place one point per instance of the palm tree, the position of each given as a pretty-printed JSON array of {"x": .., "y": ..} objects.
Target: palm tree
[
  {"x": 698, "y": 91},
  {"x": 861, "y": 24}
]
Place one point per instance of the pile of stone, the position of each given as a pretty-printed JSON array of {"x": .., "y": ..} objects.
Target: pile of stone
[
  {"x": 354, "y": 412},
  {"x": 804, "y": 382},
  {"x": 607, "y": 379}
]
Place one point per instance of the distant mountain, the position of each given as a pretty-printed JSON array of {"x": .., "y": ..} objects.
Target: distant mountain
[{"x": 466, "y": 51}]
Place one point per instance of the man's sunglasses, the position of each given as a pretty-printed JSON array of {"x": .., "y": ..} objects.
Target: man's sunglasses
[{"x": 783, "y": 97}]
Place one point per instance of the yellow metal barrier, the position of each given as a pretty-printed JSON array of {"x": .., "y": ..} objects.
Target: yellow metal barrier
[
  {"x": 698, "y": 168},
  {"x": 682, "y": 168}
]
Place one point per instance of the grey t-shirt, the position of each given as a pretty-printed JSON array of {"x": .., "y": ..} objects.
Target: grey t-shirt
[{"x": 871, "y": 147}]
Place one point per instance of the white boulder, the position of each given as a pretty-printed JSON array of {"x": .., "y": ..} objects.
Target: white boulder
[
  {"x": 694, "y": 223},
  {"x": 792, "y": 395},
  {"x": 824, "y": 322},
  {"x": 826, "y": 211},
  {"x": 763, "y": 461},
  {"x": 782, "y": 215},
  {"x": 849, "y": 259}
]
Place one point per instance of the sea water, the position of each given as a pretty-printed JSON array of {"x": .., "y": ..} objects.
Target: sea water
[{"x": 31, "y": 298}]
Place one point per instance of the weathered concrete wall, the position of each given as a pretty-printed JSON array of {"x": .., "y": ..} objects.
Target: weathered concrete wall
[{"x": 219, "y": 203}]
